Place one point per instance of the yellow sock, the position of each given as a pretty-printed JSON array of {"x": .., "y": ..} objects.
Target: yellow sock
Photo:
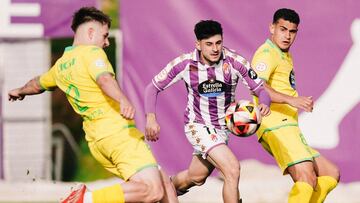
[
  {"x": 324, "y": 185},
  {"x": 301, "y": 192},
  {"x": 111, "y": 194}
]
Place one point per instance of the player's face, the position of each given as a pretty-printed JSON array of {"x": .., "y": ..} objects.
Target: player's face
[
  {"x": 100, "y": 35},
  {"x": 283, "y": 34},
  {"x": 210, "y": 49}
]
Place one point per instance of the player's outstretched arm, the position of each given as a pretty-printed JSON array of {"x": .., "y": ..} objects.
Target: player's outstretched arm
[
  {"x": 111, "y": 88},
  {"x": 30, "y": 88},
  {"x": 152, "y": 128},
  {"x": 300, "y": 102}
]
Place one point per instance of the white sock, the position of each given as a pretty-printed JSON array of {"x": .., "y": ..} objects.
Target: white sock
[{"x": 88, "y": 197}]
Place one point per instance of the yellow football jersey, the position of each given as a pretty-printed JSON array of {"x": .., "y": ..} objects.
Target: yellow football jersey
[
  {"x": 276, "y": 68},
  {"x": 75, "y": 73}
]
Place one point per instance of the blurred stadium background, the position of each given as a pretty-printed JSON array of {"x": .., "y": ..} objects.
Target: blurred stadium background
[{"x": 42, "y": 146}]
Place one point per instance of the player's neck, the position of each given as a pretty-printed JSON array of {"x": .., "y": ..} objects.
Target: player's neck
[{"x": 78, "y": 42}]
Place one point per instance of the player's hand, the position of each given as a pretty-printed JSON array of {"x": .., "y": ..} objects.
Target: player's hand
[
  {"x": 127, "y": 110},
  {"x": 264, "y": 109},
  {"x": 152, "y": 128},
  {"x": 14, "y": 95},
  {"x": 304, "y": 103}
]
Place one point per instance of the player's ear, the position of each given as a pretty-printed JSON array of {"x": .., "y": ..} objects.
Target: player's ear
[
  {"x": 197, "y": 45},
  {"x": 90, "y": 32},
  {"x": 272, "y": 28}
]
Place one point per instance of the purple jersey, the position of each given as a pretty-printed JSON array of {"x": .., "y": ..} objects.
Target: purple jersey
[{"x": 210, "y": 89}]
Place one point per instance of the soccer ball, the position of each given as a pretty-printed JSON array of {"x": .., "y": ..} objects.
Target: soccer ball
[{"x": 242, "y": 118}]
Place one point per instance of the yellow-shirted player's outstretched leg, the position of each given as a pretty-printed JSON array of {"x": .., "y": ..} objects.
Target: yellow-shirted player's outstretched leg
[
  {"x": 130, "y": 158},
  {"x": 324, "y": 185},
  {"x": 142, "y": 187},
  {"x": 300, "y": 192}
]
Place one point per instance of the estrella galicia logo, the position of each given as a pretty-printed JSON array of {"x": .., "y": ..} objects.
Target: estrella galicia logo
[
  {"x": 292, "y": 79},
  {"x": 252, "y": 74},
  {"x": 211, "y": 88}
]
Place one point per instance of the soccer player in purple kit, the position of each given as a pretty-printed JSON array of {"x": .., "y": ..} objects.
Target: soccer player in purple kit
[{"x": 211, "y": 73}]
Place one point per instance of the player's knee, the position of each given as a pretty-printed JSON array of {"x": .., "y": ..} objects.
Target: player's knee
[
  {"x": 232, "y": 172},
  {"x": 335, "y": 173},
  {"x": 198, "y": 179},
  {"x": 308, "y": 176}
]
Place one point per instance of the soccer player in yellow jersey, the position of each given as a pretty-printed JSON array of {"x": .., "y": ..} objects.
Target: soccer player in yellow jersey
[
  {"x": 85, "y": 75},
  {"x": 314, "y": 176}
]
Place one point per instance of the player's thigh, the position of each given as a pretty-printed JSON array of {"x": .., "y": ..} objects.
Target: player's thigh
[
  {"x": 325, "y": 167},
  {"x": 288, "y": 146},
  {"x": 150, "y": 175},
  {"x": 223, "y": 159},
  {"x": 200, "y": 168},
  {"x": 127, "y": 153},
  {"x": 102, "y": 159}
]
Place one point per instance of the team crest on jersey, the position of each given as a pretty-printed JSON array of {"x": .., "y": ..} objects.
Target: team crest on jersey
[
  {"x": 226, "y": 68},
  {"x": 252, "y": 74},
  {"x": 261, "y": 67},
  {"x": 211, "y": 88},
  {"x": 100, "y": 63},
  {"x": 292, "y": 79}
]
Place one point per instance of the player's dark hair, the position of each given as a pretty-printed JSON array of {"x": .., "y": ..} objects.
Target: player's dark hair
[
  {"x": 207, "y": 28},
  {"x": 87, "y": 14},
  {"x": 286, "y": 14}
]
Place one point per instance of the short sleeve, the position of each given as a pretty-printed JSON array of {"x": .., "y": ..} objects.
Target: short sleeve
[
  {"x": 263, "y": 63},
  {"x": 98, "y": 63},
  {"x": 172, "y": 73},
  {"x": 47, "y": 80}
]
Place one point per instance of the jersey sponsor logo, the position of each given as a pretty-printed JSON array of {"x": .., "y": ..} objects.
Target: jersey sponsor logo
[
  {"x": 261, "y": 67},
  {"x": 292, "y": 79},
  {"x": 100, "y": 63},
  {"x": 252, "y": 74},
  {"x": 212, "y": 88}
]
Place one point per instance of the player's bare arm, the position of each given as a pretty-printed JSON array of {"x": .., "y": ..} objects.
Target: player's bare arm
[
  {"x": 30, "y": 88},
  {"x": 300, "y": 102},
  {"x": 152, "y": 127},
  {"x": 111, "y": 88}
]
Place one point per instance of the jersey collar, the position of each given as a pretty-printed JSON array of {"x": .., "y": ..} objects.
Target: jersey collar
[
  {"x": 69, "y": 48},
  {"x": 270, "y": 43}
]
